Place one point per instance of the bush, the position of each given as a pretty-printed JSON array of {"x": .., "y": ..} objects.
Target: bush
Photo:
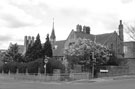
[
  {"x": 12, "y": 67},
  {"x": 22, "y": 67},
  {"x": 54, "y": 64},
  {"x": 5, "y": 68},
  {"x": 32, "y": 67},
  {"x": 1, "y": 69}
]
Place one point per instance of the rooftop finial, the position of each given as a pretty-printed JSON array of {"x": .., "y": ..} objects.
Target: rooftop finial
[
  {"x": 53, "y": 23},
  {"x": 53, "y": 37}
]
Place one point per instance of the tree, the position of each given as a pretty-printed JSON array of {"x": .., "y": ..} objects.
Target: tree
[
  {"x": 82, "y": 50},
  {"x": 130, "y": 30},
  {"x": 29, "y": 53},
  {"x": 34, "y": 51},
  {"x": 47, "y": 49},
  {"x": 13, "y": 54},
  {"x": 37, "y": 48}
]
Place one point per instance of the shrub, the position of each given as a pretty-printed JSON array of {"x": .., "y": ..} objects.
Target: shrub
[
  {"x": 12, "y": 67},
  {"x": 22, "y": 67},
  {"x": 1, "y": 68},
  {"x": 32, "y": 67},
  {"x": 5, "y": 68}
]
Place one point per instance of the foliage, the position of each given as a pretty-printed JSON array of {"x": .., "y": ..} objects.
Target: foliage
[
  {"x": 22, "y": 67},
  {"x": 12, "y": 54},
  {"x": 5, "y": 68},
  {"x": 2, "y": 54},
  {"x": 116, "y": 61},
  {"x": 34, "y": 51},
  {"x": 130, "y": 30},
  {"x": 47, "y": 49},
  {"x": 32, "y": 67},
  {"x": 37, "y": 48},
  {"x": 12, "y": 66},
  {"x": 83, "y": 48},
  {"x": 54, "y": 64},
  {"x": 28, "y": 55}
]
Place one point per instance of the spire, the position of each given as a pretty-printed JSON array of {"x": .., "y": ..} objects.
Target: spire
[
  {"x": 53, "y": 37},
  {"x": 121, "y": 30},
  {"x": 53, "y": 24}
]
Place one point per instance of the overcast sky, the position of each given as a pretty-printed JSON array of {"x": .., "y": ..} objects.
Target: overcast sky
[{"x": 30, "y": 17}]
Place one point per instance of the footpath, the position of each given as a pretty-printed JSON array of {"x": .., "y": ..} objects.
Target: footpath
[
  {"x": 105, "y": 79},
  {"x": 102, "y": 79}
]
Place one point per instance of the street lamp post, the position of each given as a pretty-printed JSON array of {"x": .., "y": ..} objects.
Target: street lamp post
[
  {"x": 45, "y": 61},
  {"x": 93, "y": 64}
]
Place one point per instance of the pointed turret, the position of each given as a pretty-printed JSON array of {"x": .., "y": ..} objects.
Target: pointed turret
[{"x": 53, "y": 37}]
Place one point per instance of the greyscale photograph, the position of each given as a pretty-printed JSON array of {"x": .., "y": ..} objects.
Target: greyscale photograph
[{"x": 67, "y": 44}]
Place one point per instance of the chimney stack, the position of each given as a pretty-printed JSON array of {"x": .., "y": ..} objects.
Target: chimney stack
[
  {"x": 78, "y": 28},
  {"x": 33, "y": 40},
  {"x": 29, "y": 39},
  {"x": 86, "y": 29},
  {"x": 121, "y": 30},
  {"x": 25, "y": 44}
]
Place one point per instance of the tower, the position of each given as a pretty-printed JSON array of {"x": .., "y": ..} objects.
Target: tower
[
  {"x": 121, "y": 31},
  {"x": 53, "y": 37},
  {"x": 121, "y": 36}
]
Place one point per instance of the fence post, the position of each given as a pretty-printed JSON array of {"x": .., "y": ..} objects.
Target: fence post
[
  {"x": 17, "y": 71},
  {"x": 39, "y": 72},
  {"x": 2, "y": 71},
  {"x": 26, "y": 71},
  {"x": 9, "y": 72}
]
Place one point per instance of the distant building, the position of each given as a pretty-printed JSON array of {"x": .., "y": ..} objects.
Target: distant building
[
  {"x": 28, "y": 40},
  {"x": 112, "y": 40}
]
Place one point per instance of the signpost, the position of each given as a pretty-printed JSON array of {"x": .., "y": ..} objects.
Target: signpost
[
  {"x": 93, "y": 64},
  {"x": 45, "y": 61}
]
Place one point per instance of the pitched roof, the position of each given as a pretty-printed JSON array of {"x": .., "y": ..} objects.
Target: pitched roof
[
  {"x": 59, "y": 48},
  {"x": 84, "y": 35},
  {"x": 101, "y": 38}
]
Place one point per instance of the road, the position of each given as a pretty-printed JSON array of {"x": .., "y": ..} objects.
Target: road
[{"x": 7, "y": 83}]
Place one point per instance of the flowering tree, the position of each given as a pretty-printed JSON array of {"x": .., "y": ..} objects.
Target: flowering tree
[{"x": 81, "y": 51}]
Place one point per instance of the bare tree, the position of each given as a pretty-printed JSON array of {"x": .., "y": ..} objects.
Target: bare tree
[{"x": 130, "y": 30}]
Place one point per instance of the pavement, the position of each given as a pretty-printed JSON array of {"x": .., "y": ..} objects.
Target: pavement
[
  {"x": 104, "y": 79},
  {"x": 117, "y": 82}
]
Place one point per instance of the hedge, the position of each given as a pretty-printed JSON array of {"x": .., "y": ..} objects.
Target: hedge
[{"x": 32, "y": 67}]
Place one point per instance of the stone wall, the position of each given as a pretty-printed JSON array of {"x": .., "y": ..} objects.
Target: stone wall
[
  {"x": 114, "y": 71},
  {"x": 131, "y": 64},
  {"x": 129, "y": 49}
]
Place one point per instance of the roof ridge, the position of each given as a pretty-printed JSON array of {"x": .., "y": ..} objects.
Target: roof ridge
[
  {"x": 108, "y": 38},
  {"x": 105, "y": 33}
]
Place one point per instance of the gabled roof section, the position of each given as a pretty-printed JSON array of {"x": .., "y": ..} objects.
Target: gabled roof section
[
  {"x": 102, "y": 38},
  {"x": 59, "y": 48},
  {"x": 84, "y": 35}
]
